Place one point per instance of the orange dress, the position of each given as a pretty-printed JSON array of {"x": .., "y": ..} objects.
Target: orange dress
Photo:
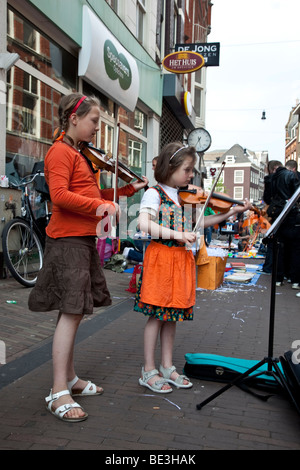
[{"x": 167, "y": 285}]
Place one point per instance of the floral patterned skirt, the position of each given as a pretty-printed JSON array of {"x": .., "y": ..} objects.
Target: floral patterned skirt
[{"x": 166, "y": 288}]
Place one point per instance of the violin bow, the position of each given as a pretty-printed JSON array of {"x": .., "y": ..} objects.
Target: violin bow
[
  {"x": 201, "y": 215},
  {"x": 117, "y": 164},
  {"x": 114, "y": 227}
]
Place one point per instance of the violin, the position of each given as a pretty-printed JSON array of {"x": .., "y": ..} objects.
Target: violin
[
  {"x": 104, "y": 162},
  {"x": 219, "y": 202}
]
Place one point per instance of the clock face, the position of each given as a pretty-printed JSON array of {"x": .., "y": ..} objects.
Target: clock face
[{"x": 200, "y": 139}]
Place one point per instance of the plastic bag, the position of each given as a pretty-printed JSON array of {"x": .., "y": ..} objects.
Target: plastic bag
[{"x": 116, "y": 263}]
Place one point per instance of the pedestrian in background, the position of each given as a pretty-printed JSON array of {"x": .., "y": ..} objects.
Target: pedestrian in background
[
  {"x": 279, "y": 188},
  {"x": 292, "y": 166}
]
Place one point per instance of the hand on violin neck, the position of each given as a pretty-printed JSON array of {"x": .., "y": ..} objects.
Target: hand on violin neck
[
  {"x": 246, "y": 207},
  {"x": 140, "y": 184}
]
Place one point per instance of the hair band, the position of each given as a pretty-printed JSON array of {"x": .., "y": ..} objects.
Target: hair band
[
  {"x": 77, "y": 105},
  {"x": 181, "y": 148}
]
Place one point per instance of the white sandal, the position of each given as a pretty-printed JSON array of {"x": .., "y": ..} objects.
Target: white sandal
[
  {"x": 89, "y": 390},
  {"x": 156, "y": 386},
  {"x": 60, "y": 411},
  {"x": 178, "y": 382}
]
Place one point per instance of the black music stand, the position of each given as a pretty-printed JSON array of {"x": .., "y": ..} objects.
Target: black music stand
[{"x": 272, "y": 363}]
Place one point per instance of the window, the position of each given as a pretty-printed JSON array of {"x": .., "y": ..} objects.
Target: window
[
  {"x": 32, "y": 116},
  {"x": 238, "y": 176},
  {"x": 41, "y": 53},
  {"x": 187, "y": 7},
  {"x": 175, "y": 26},
  {"x": 135, "y": 153},
  {"x": 140, "y": 14},
  {"x": 139, "y": 120},
  {"x": 34, "y": 88},
  {"x": 238, "y": 193},
  {"x": 198, "y": 92},
  {"x": 113, "y": 4},
  {"x": 30, "y": 100},
  {"x": 230, "y": 159},
  {"x": 29, "y": 36}
]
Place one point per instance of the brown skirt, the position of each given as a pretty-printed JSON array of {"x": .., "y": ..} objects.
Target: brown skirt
[{"x": 71, "y": 279}]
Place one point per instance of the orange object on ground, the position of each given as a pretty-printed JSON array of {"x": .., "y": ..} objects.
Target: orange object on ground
[{"x": 211, "y": 275}]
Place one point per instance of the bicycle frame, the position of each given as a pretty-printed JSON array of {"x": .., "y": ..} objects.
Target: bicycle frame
[
  {"x": 23, "y": 238},
  {"x": 29, "y": 216}
]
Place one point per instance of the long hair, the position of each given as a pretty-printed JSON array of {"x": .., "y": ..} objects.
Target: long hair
[{"x": 67, "y": 104}]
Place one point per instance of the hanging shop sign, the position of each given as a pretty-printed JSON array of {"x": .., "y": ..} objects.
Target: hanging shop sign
[
  {"x": 183, "y": 62},
  {"x": 187, "y": 103},
  {"x": 105, "y": 63},
  {"x": 210, "y": 51}
]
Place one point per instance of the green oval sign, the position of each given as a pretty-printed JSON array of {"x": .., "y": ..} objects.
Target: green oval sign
[{"x": 116, "y": 65}]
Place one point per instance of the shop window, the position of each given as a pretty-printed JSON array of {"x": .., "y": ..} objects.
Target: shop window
[
  {"x": 40, "y": 52},
  {"x": 32, "y": 116},
  {"x": 32, "y": 99},
  {"x": 135, "y": 154},
  {"x": 106, "y": 105},
  {"x": 29, "y": 105}
]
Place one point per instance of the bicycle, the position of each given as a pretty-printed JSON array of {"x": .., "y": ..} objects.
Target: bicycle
[{"x": 23, "y": 237}]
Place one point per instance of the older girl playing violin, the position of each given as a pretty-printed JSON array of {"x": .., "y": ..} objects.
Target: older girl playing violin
[
  {"x": 71, "y": 280},
  {"x": 167, "y": 287}
]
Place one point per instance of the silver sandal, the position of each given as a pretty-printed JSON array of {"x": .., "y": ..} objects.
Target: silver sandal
[
  {"x": 166, "y": 374},
  {"x": 156, "y": 386}
]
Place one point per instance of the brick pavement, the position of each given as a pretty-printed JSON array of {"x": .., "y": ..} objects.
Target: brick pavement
[{"x": 231, "y": 321}]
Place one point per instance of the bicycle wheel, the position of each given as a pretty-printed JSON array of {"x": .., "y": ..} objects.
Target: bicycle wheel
[{"x": 22, "y": 251}]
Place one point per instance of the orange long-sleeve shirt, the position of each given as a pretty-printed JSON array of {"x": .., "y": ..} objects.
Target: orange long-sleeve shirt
[{"x": 74, "y": 192}]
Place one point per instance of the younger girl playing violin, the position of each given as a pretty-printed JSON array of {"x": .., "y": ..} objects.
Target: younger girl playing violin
[
  {"x": 71, "y": 280},
  {"x": 167, "y": 286}
]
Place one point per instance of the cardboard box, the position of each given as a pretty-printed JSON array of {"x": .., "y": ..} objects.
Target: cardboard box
[{"x": 211, "y": 275}]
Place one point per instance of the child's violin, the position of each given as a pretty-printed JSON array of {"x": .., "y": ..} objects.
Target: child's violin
[
  {"x": 218, "y": 201},
  {"x": 104, "y": 162}
]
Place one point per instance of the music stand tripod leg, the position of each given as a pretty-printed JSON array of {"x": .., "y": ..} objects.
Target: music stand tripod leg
[
  {"x": 236, "y": 381},
  {"x": 272, "y": 363}
]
